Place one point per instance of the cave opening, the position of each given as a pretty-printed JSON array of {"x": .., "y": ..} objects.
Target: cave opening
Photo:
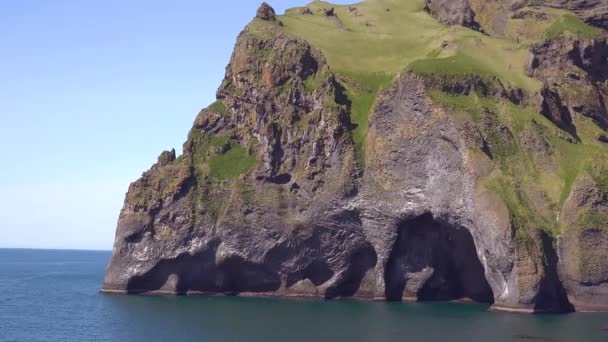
[{"x": 432, "y": 260}]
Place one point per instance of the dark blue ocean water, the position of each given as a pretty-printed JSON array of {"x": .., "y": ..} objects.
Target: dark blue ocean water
[{"x": 53, "y": 296}]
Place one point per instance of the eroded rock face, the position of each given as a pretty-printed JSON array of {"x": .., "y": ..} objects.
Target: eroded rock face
[
  {"x": 583, "y": 245},
  {"x": 270, "y": 198},
  {"x": 434, "y": 261},
  {"x": 184, "y": 230},
  {"x": 594, "y": 12},
  {"x": 426, "y": 200},
  {"x": 422, "y": 170},
  {"x": 406, "y": 231},
  {"x": 574, "y": 72},
  {"x": 265, "y": 12},
  {"x": 492, "y": 16},
  {"x": 453, "y": 12},
  {"x": 552, "y": 55}
]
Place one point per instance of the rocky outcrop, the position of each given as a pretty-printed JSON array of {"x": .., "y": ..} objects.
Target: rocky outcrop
[
  {"x": 453, "y": 12},
  {"x": 272, "y": 198},
  {"x": 305, "y": 11},
  {"x": 485, "y": 86},
  {"x": 583, "y": 245},
  {"x": 427, "y": 205},
  {"x": 432, "y": 197},
  {"x": 596, "y": 17},
  {"x": 563, "y": 54},
  {"x": 273, "y": 226},
  {"x": 493, "y": 16},
  {"x": 594, "y": 12},
  {"x": 265, "y": 12},
  {"x": 574, "y": 73},
  {"x": 556, "y": 111}
]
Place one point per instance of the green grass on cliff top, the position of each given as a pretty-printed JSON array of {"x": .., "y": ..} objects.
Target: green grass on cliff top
[
  {"x": 573, "y": 25},
  {"x": 378, "y": 40},
  {"x": 386, "y": 36},
  {"x": 371, "y": 42}
]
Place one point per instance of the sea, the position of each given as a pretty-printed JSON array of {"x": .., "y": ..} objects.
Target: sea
[{"x": 53, "y": 295}]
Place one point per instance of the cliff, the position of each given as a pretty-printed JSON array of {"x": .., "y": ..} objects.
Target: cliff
[{"x": 415, "y": 150}]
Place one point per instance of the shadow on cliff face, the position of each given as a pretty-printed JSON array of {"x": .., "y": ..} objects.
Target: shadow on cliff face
[
  {"x": 432, "y": 260},
  {"x": 329, "y": 255},
  {"x": 350, "y": 281},
  {"x": 199, "y": 272},
  {"x": 552, "y": 296}
]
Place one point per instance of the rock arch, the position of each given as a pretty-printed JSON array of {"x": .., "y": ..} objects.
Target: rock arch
[{"x": 434, "y": 260}]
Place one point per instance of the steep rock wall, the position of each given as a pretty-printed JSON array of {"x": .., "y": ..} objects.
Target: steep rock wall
[{"x": 270, "y": 199}]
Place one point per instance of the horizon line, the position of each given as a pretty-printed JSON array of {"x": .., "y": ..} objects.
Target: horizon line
[{"x": 57, "y": 249}]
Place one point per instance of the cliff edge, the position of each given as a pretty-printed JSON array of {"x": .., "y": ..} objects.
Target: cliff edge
[{"x": 429, "y": 150}]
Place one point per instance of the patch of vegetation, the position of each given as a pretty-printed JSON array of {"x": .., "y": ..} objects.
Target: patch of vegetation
[
  {"x": 375, "y": 40},
  {"x": 576, "y": 159},
  {"x": 232, "y": 163},
  {"x": 218, "y": 107},
  {"x": 517, "y": 176},
  {"x": 571, "y": 158},
  {"x": 530, "y": 28},
  {"x": 592, "y": 219},
  {"x": 573, "y": 25},
  {"x": 471, "y": 105},
  {"x": 215, "y": 159},
  {"x": 209, "y": 200},
  {"x": 362, "y": 91},
  {"x": 598, "y": 169},
  {"x": 361, "y": 106},
  {"x": 458, "y": 65},
  {"x": 523, "y": 217},
  {"x": 218, "y": 157},
  {"x": 314, "y": 81},
  {"x": 262, "y": 29}
]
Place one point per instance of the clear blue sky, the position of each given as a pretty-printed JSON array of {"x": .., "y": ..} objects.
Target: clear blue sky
[{"x": 90, "y": 93}]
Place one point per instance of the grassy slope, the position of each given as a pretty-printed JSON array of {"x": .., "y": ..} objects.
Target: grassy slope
[
  {"x": 571, "y": 24},
  {"x": 383, "y": 37},
  {"x": 398, "y": 37},
  {"x": 372, "y": 45}
]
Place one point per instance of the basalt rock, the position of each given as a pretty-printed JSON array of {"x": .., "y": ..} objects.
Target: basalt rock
[
  {"x": 329, "y": 12},
  {"x": 574, "y": 72},
  {"x": 591, "y": 56},
  {"x": 582, "y": 246},
  {"x": 453, "y": 12},
  {"x": 185, "y": 229},
  {"x": 555, "y": 110},
  {"x": 272, "y": 196},
  {"x": 594, "y": 12},
  {"x": 305, "y": 11},
  {"x": 596, "y": 17},
  {"x": 265, "y": 12},
  {"x": 493, "y": 16},
  {"x": 477, "y": 84}
]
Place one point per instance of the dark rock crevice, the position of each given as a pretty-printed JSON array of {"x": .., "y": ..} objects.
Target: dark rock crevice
[
  {"x": 199, "y": 273},
  {"x": 177, "y": 275},
  {"x": 453, "y": 12},
  {"x": 432, "y": 260},
  {"x": 360, "y": 262},
  {"x": 552, "y": 295},
  {"x": 485, "y": 86},
  {"x": 557, "y": 112},
  {"x": 574, "y": 73}
]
